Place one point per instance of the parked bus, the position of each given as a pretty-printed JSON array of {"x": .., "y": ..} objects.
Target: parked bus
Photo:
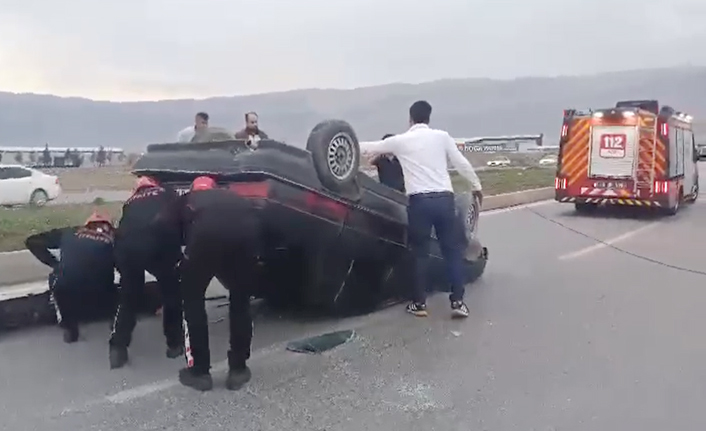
[{"x": 635, "y": 154}]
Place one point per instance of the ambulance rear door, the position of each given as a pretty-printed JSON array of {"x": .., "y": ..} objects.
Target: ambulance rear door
[{"x": 613, "y": 151}]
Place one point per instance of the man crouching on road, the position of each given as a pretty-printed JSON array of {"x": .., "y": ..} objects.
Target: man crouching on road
[
  {"x": 82, "y": 281},
  {"x": 222, "y": 238},
  {"x": 147, "y": 239}
]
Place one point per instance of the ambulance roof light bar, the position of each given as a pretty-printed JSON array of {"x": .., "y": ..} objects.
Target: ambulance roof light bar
[{"x": 683, "y": 117}]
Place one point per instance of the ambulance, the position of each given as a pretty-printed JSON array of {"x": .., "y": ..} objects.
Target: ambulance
[{"x": 635, "y": 154}]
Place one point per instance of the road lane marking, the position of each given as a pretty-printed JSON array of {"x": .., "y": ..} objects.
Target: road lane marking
[{"x": 607, "y": 243}]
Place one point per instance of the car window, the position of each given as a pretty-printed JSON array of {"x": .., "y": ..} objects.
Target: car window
[{"x": 14, "y": 173}]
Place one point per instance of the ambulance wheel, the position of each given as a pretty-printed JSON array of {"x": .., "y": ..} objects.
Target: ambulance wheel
[
  {"x": 674, "y": 209},
  {"x": 584, "y": 208}
]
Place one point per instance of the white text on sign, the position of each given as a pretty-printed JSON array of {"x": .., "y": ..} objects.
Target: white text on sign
[{"x": 613, "y": 146}]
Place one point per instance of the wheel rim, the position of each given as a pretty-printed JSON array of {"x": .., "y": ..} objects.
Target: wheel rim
[
  {"x": 340, "y": 156},
  {"x": 39, "y": 199},
  {"x": 471, "y": 219}
]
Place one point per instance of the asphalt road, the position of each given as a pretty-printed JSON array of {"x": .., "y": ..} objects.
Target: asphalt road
[{"x": 565, "y": 334}]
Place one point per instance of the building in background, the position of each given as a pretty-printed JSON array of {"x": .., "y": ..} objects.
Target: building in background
[{"x": 47, "y": 156}]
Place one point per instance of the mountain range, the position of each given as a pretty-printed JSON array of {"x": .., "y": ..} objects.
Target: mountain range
[{"x": 464, "y": 107}]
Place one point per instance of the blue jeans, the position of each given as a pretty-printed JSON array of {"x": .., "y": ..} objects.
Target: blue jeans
[{"x": 438, "y": 210}]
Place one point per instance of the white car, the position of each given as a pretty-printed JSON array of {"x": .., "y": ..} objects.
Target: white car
[
  {"x": 20, "y": 185},
  {"x": 499, "y": 161},
  {"x": 548, "y": 161}
]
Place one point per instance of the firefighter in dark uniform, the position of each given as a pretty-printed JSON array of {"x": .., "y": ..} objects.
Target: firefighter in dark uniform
[
  {"x": 222, "y": 238},
  {"x": 82, "y": 281},
  {"x": 147, "y": 239}
]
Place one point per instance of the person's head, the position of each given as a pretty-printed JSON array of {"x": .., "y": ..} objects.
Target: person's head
[
  {"x": 100, "y": 222},
  {"x": 419, "y": 112},
  {"x": 203, "y": 183},
  {"x": 201, "y": 121},
  {"x": 251, "y": 121},
  {"x": 145, "y": 182}
]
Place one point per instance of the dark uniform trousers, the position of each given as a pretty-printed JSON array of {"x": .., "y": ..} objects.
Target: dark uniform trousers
[
  {"x": 233, "y": 263},
  {"x": 161, "y": 259}
]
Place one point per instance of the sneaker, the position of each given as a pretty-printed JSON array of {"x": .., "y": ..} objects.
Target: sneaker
[
  {"x": 459, "y": 309},
  {"x": 118, "y": 357},
  {"x": 238, "y": 378},
  {"x": 200, "y": 382},
  {"x": 418, "y": 309},
  {"x": 175, "y": 352},
  {"x": 71, "y": 334}
]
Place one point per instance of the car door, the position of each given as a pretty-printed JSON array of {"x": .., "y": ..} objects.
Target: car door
[{"x": 17, "y": 185}]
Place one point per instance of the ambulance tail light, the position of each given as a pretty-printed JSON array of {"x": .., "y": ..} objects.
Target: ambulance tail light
[
  {"x": 664, "y": 129},
  {"x": 662, "y": 187},
  {"x": 564, "y": 130},
  {"x": 560, "y": 183}
]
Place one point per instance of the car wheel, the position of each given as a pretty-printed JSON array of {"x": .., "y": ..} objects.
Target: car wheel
[
  {"x": 336, "y": 154},
  {"x": 38, "y": 199},
  {"x": 467, "y": 211}
]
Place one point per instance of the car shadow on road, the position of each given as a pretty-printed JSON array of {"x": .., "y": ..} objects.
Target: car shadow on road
[{"x": 617, "y": 212}]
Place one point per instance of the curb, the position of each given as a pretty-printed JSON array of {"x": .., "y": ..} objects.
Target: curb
[{"x": 17, "y": 267}]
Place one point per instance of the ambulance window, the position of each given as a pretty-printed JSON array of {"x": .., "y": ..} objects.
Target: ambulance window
[
  {"x": 680, "y": 152},
  {"x": 672, "y": 151}
]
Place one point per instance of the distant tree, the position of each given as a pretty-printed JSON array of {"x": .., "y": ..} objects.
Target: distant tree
[
  {"x": 109, "y": 156},
  {"x": 19, "y": 158},
  {"x": 76, "y": 158},
  {"x": 122, "y": 157},
  {"x": 0, "y": 157},
  {"x": 46, "y": 156},
  {"x": 101, "y": 156},
  {"x": 33, "y": 157},
  {"x": 93, "y": 157},
  {"x": 132, "y": 158}
]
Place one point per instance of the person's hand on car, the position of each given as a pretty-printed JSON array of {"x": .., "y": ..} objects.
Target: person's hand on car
[{"x": 478, "y": 194}]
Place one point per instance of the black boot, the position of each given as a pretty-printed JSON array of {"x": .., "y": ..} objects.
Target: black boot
[
  {"x": 237, "y": 378},
  {"x": 70, "y": 333},
  {"x": 199, "y": 381},
  {"x": 175, "y": 352},
  {"x": 118, "y": 357}
]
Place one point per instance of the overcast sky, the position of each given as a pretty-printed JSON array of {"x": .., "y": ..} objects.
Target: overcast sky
[{"x": 152, "y": 49}]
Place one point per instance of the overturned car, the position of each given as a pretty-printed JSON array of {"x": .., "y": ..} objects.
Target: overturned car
[{"x": 335, "y": 237}]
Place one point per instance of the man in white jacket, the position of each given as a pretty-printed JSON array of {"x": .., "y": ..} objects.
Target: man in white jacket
[{"x": 200, "y": 122}]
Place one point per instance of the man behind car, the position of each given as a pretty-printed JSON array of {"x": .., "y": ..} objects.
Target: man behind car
[
  {"x": 252, "y": 131},
  {"x": 147, "y": 239},
  {"x": 424, "y": 153},
  {"x": 217, "y": 247},
  {"x": 200, "y": 122},
  {"x": 389, "y": 169},
  {"x": 82, "y": 279}
]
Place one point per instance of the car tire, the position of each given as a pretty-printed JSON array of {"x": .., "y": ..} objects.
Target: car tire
[
  {"x": 336, "y": 154},
  {"x": 467, "y": 211},
  {"x": 38, "y": 199}
]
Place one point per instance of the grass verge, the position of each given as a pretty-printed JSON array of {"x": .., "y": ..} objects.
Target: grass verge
[
  {"x": 16, "y": 224},
  {"x": 499, "y": 181}
]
